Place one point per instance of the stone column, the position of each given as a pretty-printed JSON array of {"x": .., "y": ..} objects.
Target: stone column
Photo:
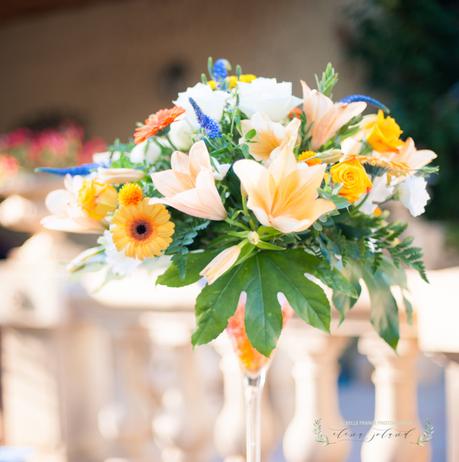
[
  {"x": 315, "y": 370},
  {"x": 395, "y": 432}
]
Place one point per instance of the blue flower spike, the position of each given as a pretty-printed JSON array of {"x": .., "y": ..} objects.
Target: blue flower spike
[
  {"x": 208, "y": 124},
  {"x": 365, "y": 99},
  {"x": 81, "y": 170}
]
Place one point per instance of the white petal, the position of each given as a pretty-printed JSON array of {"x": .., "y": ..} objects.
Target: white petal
[{"x": 414, "y": 195}]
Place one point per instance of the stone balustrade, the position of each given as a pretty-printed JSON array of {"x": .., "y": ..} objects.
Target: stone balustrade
[{"x": 110, "y": 375}]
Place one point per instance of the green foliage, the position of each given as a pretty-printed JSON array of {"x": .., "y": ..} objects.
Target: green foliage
[
  {"x": 262, "y": 277},
  {"x": 411, "y": 52},
  {"x": 217, "y": 303},
  {"x": 185, "y": 269},
  {"x": 186, "y": 231},
  {"x": 346, "y": 287},
  {"x": 402, "y": 252},
  {"x": 328, "y": 80},
  {"x": 384, "y": 310}
]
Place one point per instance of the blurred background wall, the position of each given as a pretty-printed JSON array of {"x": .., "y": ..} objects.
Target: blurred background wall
[{"x": 112, "y": 63}]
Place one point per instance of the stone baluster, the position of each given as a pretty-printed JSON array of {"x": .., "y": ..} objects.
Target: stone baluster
[
  {"x": 396, "y": 429},
  {"x": 452, "y": 399},
  {"x": 125, "y": 420},
  {"x": 229, "y": 435},
  {"x": 315, "y": 372},
  {"x": 181, "y": 424}
]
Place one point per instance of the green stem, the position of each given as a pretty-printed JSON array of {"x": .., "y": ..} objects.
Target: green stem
[
  {"x": 246, "y": 212},
  {"x": 168, "y": 138},
  {"x": 357, "y": 207},
  {"x": 235, "y": 223}
]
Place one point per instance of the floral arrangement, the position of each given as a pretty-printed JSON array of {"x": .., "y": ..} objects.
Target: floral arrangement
[
  {"x": 267, "y": 197},
  {"x": 24, "y": 150}
]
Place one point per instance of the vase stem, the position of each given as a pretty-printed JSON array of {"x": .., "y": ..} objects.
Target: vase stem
[{"x": 253, "y": 388}]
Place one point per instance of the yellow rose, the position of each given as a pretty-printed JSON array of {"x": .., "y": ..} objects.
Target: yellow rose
[
  {"x": 353, "y": 177},
  {"x": 384, "y": 133},
  {"x": 97, "y": 199}
]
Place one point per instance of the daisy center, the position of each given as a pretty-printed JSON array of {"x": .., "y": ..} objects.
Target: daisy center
[{"x": 141, "y": 230}]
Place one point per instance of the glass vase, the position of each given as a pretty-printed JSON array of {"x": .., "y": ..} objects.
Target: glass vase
[{"x": 254, "y": 367}]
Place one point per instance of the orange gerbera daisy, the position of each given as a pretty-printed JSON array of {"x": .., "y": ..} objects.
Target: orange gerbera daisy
[{"x": 156, "y": 123}]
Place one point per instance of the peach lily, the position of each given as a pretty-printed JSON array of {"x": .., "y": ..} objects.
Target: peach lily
[
  {"x": 326, "y": 117},
  {"x": 189, "y": 186},
  {"x": 284, "y": 194},
  {"x": 415, "y": 159},
  {"x": 269, "y": 135}
]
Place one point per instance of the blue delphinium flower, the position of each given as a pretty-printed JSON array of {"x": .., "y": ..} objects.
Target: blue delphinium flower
[
  {"x": 210, "y": 125},
  {"x": 82, "y": 170},
  {"x": 364, "y": 99}
]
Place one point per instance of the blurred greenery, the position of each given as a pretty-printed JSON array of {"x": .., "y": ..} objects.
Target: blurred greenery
[{"x": 410, "y": 50}]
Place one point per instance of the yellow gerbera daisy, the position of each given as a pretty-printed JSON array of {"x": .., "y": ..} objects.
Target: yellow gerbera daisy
[
  {"x": 130, "y": 194},
  {"x": 143, "y": 230}
]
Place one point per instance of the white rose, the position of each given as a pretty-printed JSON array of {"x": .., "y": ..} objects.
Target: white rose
[
  {"x": 379, "y": 193},
  {"x": 181, "y": 134},
  {"x": 118, "y": 262},
  {"x": 147, "y": 151},
  {"x": 273, "y": 98},
  {"x": 414, "y": 195},
  {"x": 211, "y": 102}
]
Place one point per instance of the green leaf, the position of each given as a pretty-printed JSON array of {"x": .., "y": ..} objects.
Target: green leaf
[
  {"x": 262, "y": 277},
  {"x": 185, "y": 269},
  {"x": 269, "y": 246},
  {"x": 287, "y": 272},
  {"x": 284, "y": 272},
  {"x": 384, "y": 310},
  {"x": 339, "y": 280},
  {"x": 185, "y": 233},
  {"x": 217, "y": 303},
  {"x": 263, "y": 316},
  {"x": 346, "y": 287}
]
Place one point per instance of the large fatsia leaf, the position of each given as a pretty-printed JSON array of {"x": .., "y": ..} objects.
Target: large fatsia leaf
[
  {"x": 284, "y": 272},
  {"x": 305, "y": 297},
  {"x": 263, "y": 316},
  {"x": 217, "y": 303},
  {"x": 384, "y": 310},
  {"x": 263, "y": 277}
]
